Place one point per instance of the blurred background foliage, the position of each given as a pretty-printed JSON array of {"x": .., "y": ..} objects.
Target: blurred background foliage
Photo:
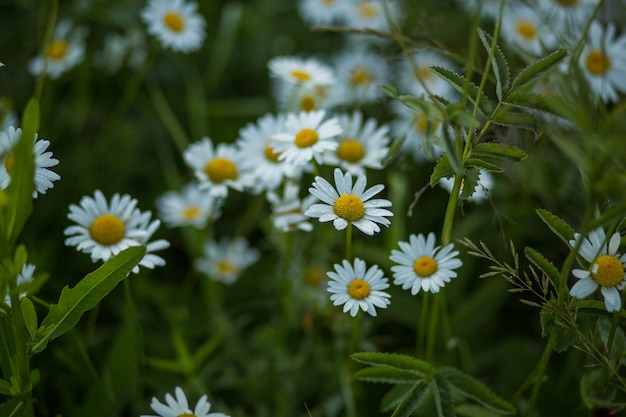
[{"x": 108, "y": 132}]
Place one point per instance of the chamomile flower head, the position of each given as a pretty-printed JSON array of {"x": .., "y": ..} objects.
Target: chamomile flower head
[
  {"x": 305, "y": 98},
  {"x": 179, "y": 406},
  {"x": 288, "y": 209},
  {"x": 323, "y": 12},
  {"x": 361, "y": 145},
  {"x": 423, "y": 266},
  {"x": 24, "y": 277},
  {"x": 372, "y": 14},
  {"x": 43, "y": 177},
  {"x": 175, "y": 23},
  {"x": 417, "y": 78},
  {"x": 523, "y": 29},
  {"x": 605, "y": 271},
  {"x": 190, "y": 206},
  {"x": 122, "y": 49},
  {"x": 306, "y": 136},
  {"x": 566, "y": 17},
  {"x": 481, "y": 191},
  {"x": 65, "y": 51},
  {"x": 356, "y": 288},
  {"x": 419, "y": 131},
  {"x": 346, "y": 204},
  {"x": 603, "y": 62},
  {"x": 300, "y": 71},
  {"x": 217, "y": 168},
  {"x": 226, "y": 260},
  {"x": 360, "y": 72}
]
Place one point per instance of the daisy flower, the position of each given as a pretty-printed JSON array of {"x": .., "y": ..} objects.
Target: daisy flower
[
  {"x": 217, "y": 169},
  {"x": 189, "y": 207},
  {"x": 65, "y": 51},
  {"x": 372, "y": 14},
  {"x": 522, "y": 28},
  {"x": 359, "y": 74},
  {"x": 422, "y": 265},
  {"x": 306, "y": 136},
  {"x": 566, "y": 17},
  {"x": 323, "y": 12},
  {"x": 361, "y": 145},
  {"x": 24, "y": 277},
  {"x": 419, "y": 131},
  {"x": 260, "y": 157},
  {"x": 288, "y": 210},
  {"x": 179, "y": 406},
  {"x": 417, "y": 79},
  {"x": 43, "y": 177},
  {"x": 104, "y": 228},
  {"x": 226, "y": 260},
  {"x": 175, "y": 23},
  {"x": 358, "y": 289},
  {"x": 120, "y": 49},
  {"x": 603, "y": 61},
  {"x": 349, "y": 205},
  {"x": 481, "y": 192},
  {"x": 606, "y": 268},
  {"x": 300, "y": 71}
]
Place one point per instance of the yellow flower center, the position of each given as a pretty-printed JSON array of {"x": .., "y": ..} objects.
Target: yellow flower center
[
  {"x": 567, "y": 3},
  {"x": 191, "y": 212},
  {"x": 8, "y": 164},
  {"x": 187, "y": 415},
  {"x": 349, "y": 207},
  {"x": 174, "y": 21},
  {"x": 270, "y": 154},
  {"x": 314, "y": 276},
  {"x": 350, "y": 150},
  {"x": 306, "y": 138},
  {"x": 107, "y": 229},
  {"x": 361, "y": 76},
  {"x": 610, "y": 271},
  {"x": 300, "y": 75},
  {"x": 56, "y": 49},
  {"x": 359, "y": 289},
  {"x": 226, "y": 267},
  {"x": 425, "y": 266},
  {"x": 424, "y": 73},
  {"x": 307, "y": 103},
  {"x": 368, "y": 10},
  {"x": 328, "y": 1},
  {"x": 221, "y": 169},
  {"x": 597, "y": 63},
  {"x": 527, "y": 29}
]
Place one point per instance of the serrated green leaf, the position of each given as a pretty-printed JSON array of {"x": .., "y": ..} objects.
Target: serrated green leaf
[
  {"x": 394, "y": 150},
  {"x": 537, "y": 68},
  {"x": 30, "y": 316},
  {"x": 476, "y": 390},
  {"x": 73, "y": 302},
  {"x": 499, "y": 64},
  {"x": 564, "y": 337},
  {"x": 499, "y": 151},
  {"x": 386, "y": 375},
  {"x": 462, "y": 117},
  {"x": 519, "y": 120},
  {"x": 545, "y": 265},
  {"x": 558, "y": 226},
  {"x": 390, "y": 90},
  {"x": 459, "y": 83},
  {"x": 412, "y": 399},
  {"x": 442, "y": 397},
  {"x": 396, "y": 361},
  {"x": 442, "y": 169},
  {"x": 482, "y": 164},
  {"x": 392, "y": 398},
  {"x": 470, "y": 181},
  {"x": 526, "y": 100}
]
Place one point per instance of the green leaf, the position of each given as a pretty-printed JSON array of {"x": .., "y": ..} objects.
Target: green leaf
[
  {"x": 394, "y": 150},
  {"x": 449, "y": 146},
  {"x": 412, "y": 399},
  {"x": 462, "y": 117},
  {"x": 22, "y": 173},
  {"x": 30, "y": 316},
  {"x": 558, "y": 226},
  {"x": 442, "y": 169},
  {"x": 470, "y": 181},
  {"x": 12, "y": 408},
  {"x": 422, "y": 105},
  {"x": 393, "y": 397},
  {"x": 5, "y": 387},
  {"x": 499, "y": 64},
  {"x": 499, "y": 151},
  {"x": 482, "y": 164},
  {"x": 390, "y": 90},
  {"x": 442, "y": 397},
  {"x": 564, "y": 336},
  {"x": 528, "y": 100},
  {"x": 472, "y": 410},
  {"x": 545, "y": 265},
  {"x": 519, "y": 120},
  {"x": 73, "y": 302},
  {"x": 386, "y": 375},
  {"x": 477, "y": 391},
  {"x": 396, "y": 361},
  {"x": 460, "y": 84},
  {"x": 538, "y": 67}
]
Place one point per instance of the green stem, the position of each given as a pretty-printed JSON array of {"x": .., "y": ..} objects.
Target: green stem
[
  {"x": 448, "y": 220},
  {"x": 433, "y": 326},
  {"x": 23, "y": 362},
  {"x": 356, "y": 333},
  {"x": 539, "y": 373},
  {"x": 349, "y": 242},
  {"x": 614, "y": 324},
  {"x": 420, "y": 345}
]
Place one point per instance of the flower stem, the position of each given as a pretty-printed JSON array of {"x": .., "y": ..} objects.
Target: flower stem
[
  {"x": 433, "y": 325},
  {"x": 539, "y": 373},
  {"x": 420, "y": 348},
  {"x": 448, "y": 220},
  {"x": 349, "y": 242}
]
